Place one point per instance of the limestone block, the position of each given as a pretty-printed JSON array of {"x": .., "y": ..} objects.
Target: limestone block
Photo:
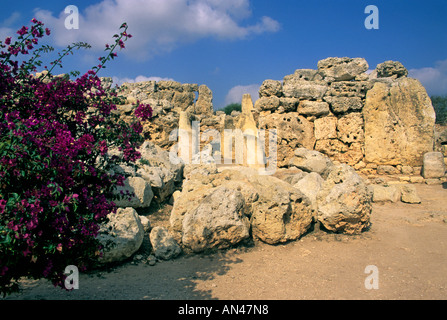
[
  {"x": 350, "y": 128},
  {"x": 391, "y": 69},
  {"x": 433, "y": 165},
  {"x": 270, "y": 88},
  {"x": 399, "y": 123},
  {"x": 140, "y": 193},
  {"x": 164, "y": 245},
  {"x": 386, "y": 193},
  {"x": 204, "y": 104},
  {"x": 344, "y": 201},
  {"x": 344, "y": 104},
  {"x": 304, "y": 89},
  {"x": 325, "y": 128},
  {"x": 313, "y": 108},
  {"x": 121, "y": 236},
  {"x": 409, "y": 194},
  {"x": 267, "y": 103},
  {"x": 342, "y": 69}
]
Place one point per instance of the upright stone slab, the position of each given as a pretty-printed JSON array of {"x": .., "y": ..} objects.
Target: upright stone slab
[
  {"x": 399, "y": 123},
  {"x": 252, "y": 154},
  {"x": 433, "y": 166},
  {"x": 188, "y": 143},
  {"x": 204, "y": 104}
]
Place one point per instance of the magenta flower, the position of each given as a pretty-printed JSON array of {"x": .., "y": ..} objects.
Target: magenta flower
[
  {"x": 144, "y": 112},
  {"x": 22, "y": 31}
]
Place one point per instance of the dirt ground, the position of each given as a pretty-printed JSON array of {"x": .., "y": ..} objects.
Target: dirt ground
[{"x": 407, "y": 243}]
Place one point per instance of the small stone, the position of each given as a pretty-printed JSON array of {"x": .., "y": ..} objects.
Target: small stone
[
  {"x": 409, "y": 194},
  {"x": 151, "y": 260},
  {"x": 433, "y": 181}
]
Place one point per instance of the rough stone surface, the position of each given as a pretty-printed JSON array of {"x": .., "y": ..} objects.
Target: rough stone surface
[
  {"x": 281, "y": 212},
  {"x": 409, "y": 194},
  {"x": 204, "y": 104},
  {"x": 350, "y": 128},
  {"x": 433, "y": 165},
  {"x": 344, "y": 201},
  {"x": 140, "y": 193},
  {"x": 325, "y": 128},
  {"x": 313, "y": 108},
  {"x": 218, "y": 222},
  {"x": 304, "y": 89},
  {"x": 344, "y": 104},
  {"x": 267, "y": 103},
  {"x": 310, "y": 185},
  {"x": 278, "y": 212},
  {"x": 311, "y": 161},
  {"x": 293, "y": 131},
  {"x": 270, "y": 88},
  {"x": 391, "y": 69},
  {"x": 399, "y": 123},
  {"x": 382, "y": 193},
  {"x": 342, "y": 69},
  {"x": 163, "y": 244},
  {"x": 121, "y": 236}
]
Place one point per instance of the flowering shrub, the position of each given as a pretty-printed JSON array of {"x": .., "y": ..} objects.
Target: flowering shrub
[{"x": 56, "y": 179}]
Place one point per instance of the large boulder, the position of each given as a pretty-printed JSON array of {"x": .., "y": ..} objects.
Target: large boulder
[
  {"x": 136, "y": 193},
  {"x": 344, "y": 201},
  {"x": 341, "y": 105},
  {"x": 399, "y": 123},
  {"x": 214, "y": 208},
  {"x": 156, "y": 167},
  {"x": 121, "y": 236},
  {"x": 342, "y": 69},
  {"x": 217, "y": 222},
  {"x": 281, "y": 213},
  {"x": 164, "y": 245},
  {"x": 409, "y": 194},
  {"x": 310, "y": 185}
]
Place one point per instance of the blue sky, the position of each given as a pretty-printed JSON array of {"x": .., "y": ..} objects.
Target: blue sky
[{"x": 234, "y": 45}]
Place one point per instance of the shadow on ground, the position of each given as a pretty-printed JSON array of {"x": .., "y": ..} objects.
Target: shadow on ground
[{"x": 167, "y": 280}]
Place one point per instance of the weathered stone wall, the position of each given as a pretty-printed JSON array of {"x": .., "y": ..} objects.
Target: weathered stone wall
[
  {"x": 382, "y": 122},
  {"x": 167, "y": 99},
  {"x": 365, "y": 120}
]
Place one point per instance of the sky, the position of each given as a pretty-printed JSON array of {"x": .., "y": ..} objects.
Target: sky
[{"x": 232, "y": 46}]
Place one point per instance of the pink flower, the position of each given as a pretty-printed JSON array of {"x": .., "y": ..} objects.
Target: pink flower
[
  {"x": 26, "y": 252},
  {"x": 103, "y": 147},
  {"x": 47, "y": 31},
  {"x": 8, "y": 41},
  {"x": 144, "y": 112},
  {"x": 22, "y": 31}
]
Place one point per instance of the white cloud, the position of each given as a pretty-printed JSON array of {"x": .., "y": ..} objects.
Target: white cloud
[
  {"x": 236, "y": 93},
  {"x": 120, "y": 81},
  {"x": 158, "y": 25},
  {"x": 433, "y": 79},
  {"x": 5, "y": 26}
]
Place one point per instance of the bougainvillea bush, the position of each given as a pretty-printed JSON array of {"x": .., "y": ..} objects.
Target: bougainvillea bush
[{"x": 56, "y": 175}]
